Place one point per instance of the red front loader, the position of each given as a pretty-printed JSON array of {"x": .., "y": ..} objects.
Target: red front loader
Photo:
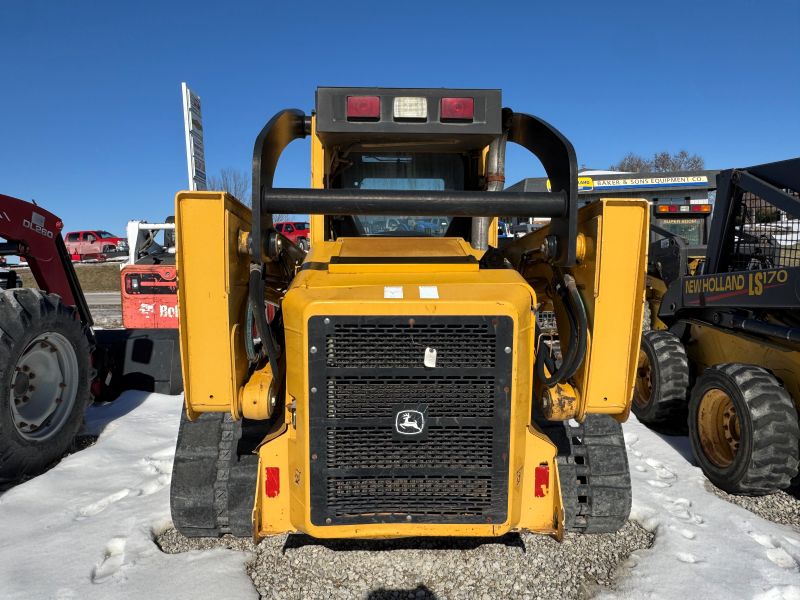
[{"x": 52, "y": 363}]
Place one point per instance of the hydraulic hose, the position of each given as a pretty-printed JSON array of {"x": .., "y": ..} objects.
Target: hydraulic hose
[
  {"x": 256, "y": 298},
  {"x": 578, "y": 328}
]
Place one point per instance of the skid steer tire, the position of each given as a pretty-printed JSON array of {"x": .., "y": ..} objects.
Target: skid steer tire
[
  {"x": 662, "y": 380},
  {"x": 743, "y": 427},
  {"x": 213, "y": 487},
  {"x": 45, "y": 377},
  {"x": 593, "y": 473}
]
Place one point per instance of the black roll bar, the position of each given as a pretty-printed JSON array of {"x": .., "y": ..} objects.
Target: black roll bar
[{"x": 420, "y": 203}]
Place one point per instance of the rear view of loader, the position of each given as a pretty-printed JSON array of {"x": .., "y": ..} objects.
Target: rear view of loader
[
  {"x": 727, "y": 358},
  {"x": 394, "y": 381}
]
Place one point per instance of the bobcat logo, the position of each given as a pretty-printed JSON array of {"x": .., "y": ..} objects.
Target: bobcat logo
[{"x": 409, "y": 422}]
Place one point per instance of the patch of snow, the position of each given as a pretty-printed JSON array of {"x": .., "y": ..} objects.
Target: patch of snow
[
  {"x": 704, "y": 547},
  {"x": 85, "y": 528}
]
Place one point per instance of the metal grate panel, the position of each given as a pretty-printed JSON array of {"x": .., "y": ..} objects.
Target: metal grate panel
[
  {"x": 765, "y": 236},
  {"x": 453, "y": 469},
  {"x": 401, "y": 345},
  {"x": 367, "y": 396}
]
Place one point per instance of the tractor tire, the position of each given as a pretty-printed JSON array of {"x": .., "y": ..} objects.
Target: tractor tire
[
  {"x": 212, "y": 485},
  {"x": 45, "y": 378},
  {"x": 743, "y": 427},
  {"x": 593, "y": 473},
  {"x": 662, "y": 380}
]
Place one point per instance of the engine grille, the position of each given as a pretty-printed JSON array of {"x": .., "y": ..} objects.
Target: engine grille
[{"x": 364, "y": 467}]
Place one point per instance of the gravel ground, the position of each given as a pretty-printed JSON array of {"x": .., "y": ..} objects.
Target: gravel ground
[
  {"x": 780, "y": 507},
  {"x": 515, "y": 566}
]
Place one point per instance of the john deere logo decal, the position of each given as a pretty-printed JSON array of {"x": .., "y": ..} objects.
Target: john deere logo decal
[{"x": 409, "y": 422}]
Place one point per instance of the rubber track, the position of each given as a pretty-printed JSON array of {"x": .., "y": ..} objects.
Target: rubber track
[
  {"x": 593, "y": 472},
  {"x": 671, "y": 371},
  {"x": 776, "y": 435},
  {"x": 213, "y": 488}
]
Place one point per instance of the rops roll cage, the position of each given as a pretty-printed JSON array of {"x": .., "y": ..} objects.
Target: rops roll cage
[{"x": 553, "y": 150}]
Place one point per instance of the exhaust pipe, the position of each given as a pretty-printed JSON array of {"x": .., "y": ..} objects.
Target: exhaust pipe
[{"x": 495, "y": 181}]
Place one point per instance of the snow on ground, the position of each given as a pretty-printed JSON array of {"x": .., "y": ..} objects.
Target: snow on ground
[
  {"x": 704, "y": 547},
  {"x": 85, "y": 529}
]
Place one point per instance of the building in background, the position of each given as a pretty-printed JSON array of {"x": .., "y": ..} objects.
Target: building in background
[{"x": 681, "y": 201}]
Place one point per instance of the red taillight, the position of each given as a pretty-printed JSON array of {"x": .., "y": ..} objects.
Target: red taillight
[
  {"x": 363, "y": 107},
  {"x": 704, "y": 208},
  {"x": 461, "y": 109},
  {"x": 131, "y": 284},
  {"x": 541, "y": 481},
  {"x": 272, "y": 483}
]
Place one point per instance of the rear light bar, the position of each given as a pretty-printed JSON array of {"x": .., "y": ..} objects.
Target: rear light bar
[
  {"x": 363, "y": 107},
  {"x": 673, "y": 208},
  {"x": 457, "y": 109}
]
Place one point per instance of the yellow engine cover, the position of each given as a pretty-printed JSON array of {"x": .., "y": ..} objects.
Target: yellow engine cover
[{"x": 408, "y": 397}]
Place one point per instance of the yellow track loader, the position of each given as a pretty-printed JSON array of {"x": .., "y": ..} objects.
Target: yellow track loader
[{"x": 395, "y": 380}]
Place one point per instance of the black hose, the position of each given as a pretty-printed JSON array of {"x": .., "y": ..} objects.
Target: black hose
[
  {"x": 253, "y": 355},
  {"x": 256, "y": 298},
  {"x": 578, "y": 328}
]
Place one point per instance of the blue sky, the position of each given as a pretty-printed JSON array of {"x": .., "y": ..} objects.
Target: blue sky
[{"x": 90, "y": 113}]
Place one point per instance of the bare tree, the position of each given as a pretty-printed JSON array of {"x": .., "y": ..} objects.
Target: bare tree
[
  {"x": 662, "y": 162},
  {"x": 234, "y": 181},
  {"x": 632, "y": 163}
]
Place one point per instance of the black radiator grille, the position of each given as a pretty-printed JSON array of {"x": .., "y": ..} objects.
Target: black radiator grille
[
  {"x": 370, "y": 395},
  {"x": 365, "y": 466},
  {"x": 375, "y": 448},
  {"x": 401, "y": 345},
  {"x": 450, "y": 496}
]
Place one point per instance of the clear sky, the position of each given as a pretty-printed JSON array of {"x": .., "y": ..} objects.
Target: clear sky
[{"x": 91, "y": 124}]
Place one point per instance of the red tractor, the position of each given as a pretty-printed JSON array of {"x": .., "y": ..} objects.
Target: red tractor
[{"x": 52, "y": 363}]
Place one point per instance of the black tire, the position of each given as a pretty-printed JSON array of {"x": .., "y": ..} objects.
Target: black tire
[
  {"x": 25, "y": 316},
  {"x": 593, "y": 472},
  {"x": 766, "y": 458},
  {"x": 109, "y": 249},
  {"x": 663, "y": 371},
  {"x": 213, "y": 481},
  {"x": 303, "y": 243}
]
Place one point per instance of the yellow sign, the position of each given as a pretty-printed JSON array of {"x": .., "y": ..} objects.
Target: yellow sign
[
  {"x": 678, "y": 181},
  {"x": 585, "y": 184}
]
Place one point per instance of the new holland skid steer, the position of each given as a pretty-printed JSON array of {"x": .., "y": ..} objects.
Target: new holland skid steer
[
  {"x": 724, "y": 354},
  {"x": 403, "y": 387}
]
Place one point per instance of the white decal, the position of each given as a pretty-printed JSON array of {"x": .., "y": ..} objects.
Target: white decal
[
  {"x": 393, "y": 291},
  {"x": 168, "y": 311},
  {"x": 409, "y": 422},
  {"x": 429, "y": 360},
  {"x": 429, "y": 292},
  {"x": 146, "y": 309},
  {"x": 37, "y": 224}
]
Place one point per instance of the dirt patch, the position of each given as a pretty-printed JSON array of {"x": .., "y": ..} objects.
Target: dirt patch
[{"x": 94, "y": 277}]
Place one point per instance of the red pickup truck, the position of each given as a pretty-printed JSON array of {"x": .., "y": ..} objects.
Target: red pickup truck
[
  {"x": 296, "y": 231},
  {"x": 95, "y": 243}
]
